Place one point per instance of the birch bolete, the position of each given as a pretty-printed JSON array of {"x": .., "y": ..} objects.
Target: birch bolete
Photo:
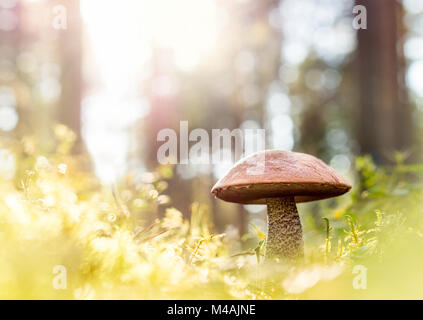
[{"x": 280, "y": 179}]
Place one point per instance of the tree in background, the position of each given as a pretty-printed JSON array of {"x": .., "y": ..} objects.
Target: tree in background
[
  {"x": 43, "y": 60},
  {"x": 384, "y": 116},
  {"x": 70, "y": 46}
]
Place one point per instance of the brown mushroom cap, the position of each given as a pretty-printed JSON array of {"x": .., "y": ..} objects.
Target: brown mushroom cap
[{"x": 285, "y": 173}]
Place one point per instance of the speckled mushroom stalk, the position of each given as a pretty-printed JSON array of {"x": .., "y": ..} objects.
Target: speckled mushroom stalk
[{"x": 284, "y": 232}]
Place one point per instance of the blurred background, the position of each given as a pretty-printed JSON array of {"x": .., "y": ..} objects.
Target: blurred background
[{"x": 117, "y": 72}]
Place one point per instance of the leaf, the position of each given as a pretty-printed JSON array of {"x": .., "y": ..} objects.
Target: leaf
[{"x": 260, "y": 234}]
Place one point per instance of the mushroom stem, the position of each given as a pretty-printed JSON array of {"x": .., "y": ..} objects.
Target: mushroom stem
[{"x": 284, "y": 233}]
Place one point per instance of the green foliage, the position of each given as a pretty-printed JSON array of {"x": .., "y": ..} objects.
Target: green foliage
[{"x": 114, "y": 244}]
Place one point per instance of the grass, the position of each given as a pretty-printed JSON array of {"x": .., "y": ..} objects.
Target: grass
[{"x": 64, "y": 236}]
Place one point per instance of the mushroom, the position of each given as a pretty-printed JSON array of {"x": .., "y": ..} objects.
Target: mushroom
[{"x": 280, "y": 179}]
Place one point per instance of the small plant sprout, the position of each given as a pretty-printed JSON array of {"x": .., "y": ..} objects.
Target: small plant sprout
[
  {"x": 328, "y": 245},
  {"x": 354, "y": 235},
  {"x": 286, "y": 178},
  {"x": 256, "y": 251}
]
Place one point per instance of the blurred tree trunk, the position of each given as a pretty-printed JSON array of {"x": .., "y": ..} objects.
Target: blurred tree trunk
[
  {"x": 70, "y": 42},
  {"x": 10, "y": 44},
  {"x": 242, "y": 216},
  {"x": 166, "y": 114},
  {"x": 313, "y": 129},
  {"x": 384, "y": 117}
]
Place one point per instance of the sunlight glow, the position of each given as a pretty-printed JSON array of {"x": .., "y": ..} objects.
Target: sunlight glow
[{"x": 121, "y": 36}]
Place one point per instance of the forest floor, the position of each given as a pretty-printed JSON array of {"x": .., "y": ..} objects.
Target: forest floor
[{"x": 64, "y": 236}]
